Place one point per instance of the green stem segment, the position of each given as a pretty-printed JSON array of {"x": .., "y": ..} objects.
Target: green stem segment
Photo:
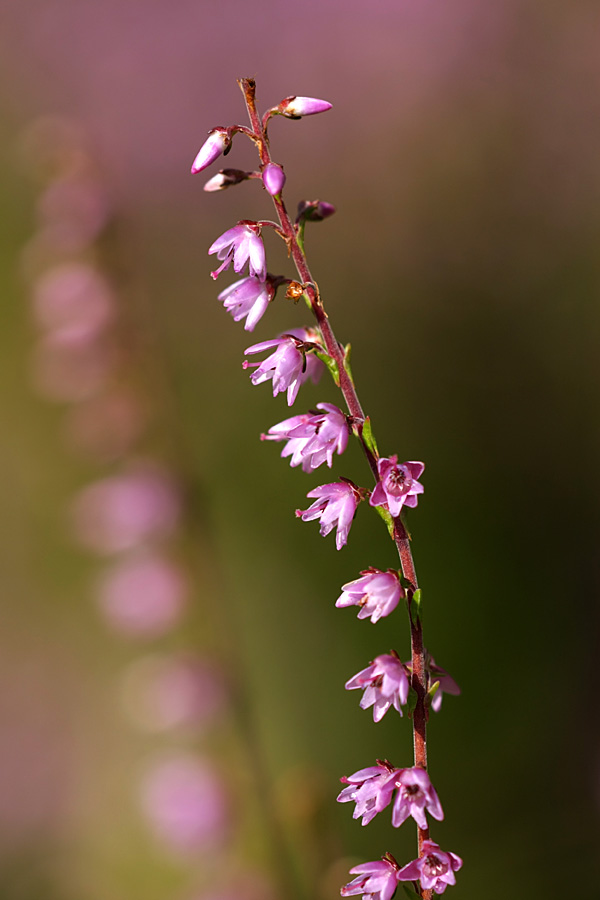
[{"x": 337, "y": 353}]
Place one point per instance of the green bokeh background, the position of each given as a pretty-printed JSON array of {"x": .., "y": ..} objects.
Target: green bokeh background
[{"x": 463, "y": 265}]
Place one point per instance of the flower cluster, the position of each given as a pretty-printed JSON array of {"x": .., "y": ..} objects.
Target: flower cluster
[{"x": 314, "y": 438}]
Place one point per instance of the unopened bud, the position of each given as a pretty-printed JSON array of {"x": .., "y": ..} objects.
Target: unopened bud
[
  {"x": 314, "y": 210},
  {"x": 224, "y": 179},
  {"x": 273, "y": 178},
  {"x": 294, "y": 107},
  {"x": 218, "y": 141}
]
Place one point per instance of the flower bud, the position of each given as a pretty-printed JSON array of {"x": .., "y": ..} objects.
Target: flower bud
[
  {"x": 294, "y": 107},
  {"x": 217, "y": 142},
  {"x": 314, "y": 210},
  {"x": 224, "y": 179},
  {"x": 273, "y": 178}
]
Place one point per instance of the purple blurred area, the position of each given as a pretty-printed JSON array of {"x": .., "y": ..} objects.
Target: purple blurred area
[{"x": 462, "y": 156}]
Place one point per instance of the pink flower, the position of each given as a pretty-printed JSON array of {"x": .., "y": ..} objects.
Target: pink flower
[
  {"x": 447, "y": 684},
  {"x": 415, "y": 794},
  {"x": 371, "y": 789},
  {"x": 242, "y": 244},
  {"x": 377, "y": 593},
  {"x": 288, "y": 366},
  {"x": 436, "y": 673},
  {"x": 273, "y": 178},
  {"x": 335, "y": 506},
  {"x": 312, "y": 439},
  {"x": 397, "y": 485},
  {"x": 249, "y": 297},
  {"x": 385, "y": 684},
  {"x": 375, "y": 880},
  {"x": 435, "y": 869},
  {"x": 293, "y": 107},
  {"x": 186, "y": 804},
  {"x": 216, "y": 143}
]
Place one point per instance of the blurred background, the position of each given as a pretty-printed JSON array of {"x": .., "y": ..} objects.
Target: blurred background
[{"x": 172, "y": 709}]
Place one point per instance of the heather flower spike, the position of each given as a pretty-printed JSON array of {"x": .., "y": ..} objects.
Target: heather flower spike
[
  {"x": 273, "y": 178},
  {"x": 248, "y": 298},
  {"x": 377, "y": 593},
  {"x": 218, "y": 142},
  {"x": 385, "y": 684},
  {"x": 295, "y": 107},
  {"x": 241, "y": 244},
  {"x": 434, "y": 869},
  {"x": 397, "y": 485},
  {"x": 335, "y": 506},
  {"x": 374, "y": 880},
  {"x": 286, "y": 367},
  {"x": 312, "y": 439}
]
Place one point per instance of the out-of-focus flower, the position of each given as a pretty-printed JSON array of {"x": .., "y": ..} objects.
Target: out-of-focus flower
[
  {"x": 335, "y": 506},
  {"x": 143, "y": 595},
  {"x": 371, "y": 789},
  {"x": 415, "y": 794},
  {"x": 248, "y": 297},
  {"x": 68, "y": 367},
  {"x": 377, "y": 593},
  {"x": 74, "y": 210},
  {"x": 287, "y": 367},
  {"x": 216, "y": 143},
  {"x": 273, "y": 178},
  {"x": 435, "y": 869},
  {"x": 125, "y": 511},
  {"x": 375, "y": 880},
  {"x": 294, "y": 107},
  {"x": 75, "y": 298},
  {"x": 241, "y": 244},
  {"x": 312, "y": 438},
  {"x": 397, "y": 485},
  {"x": 186, "y": 805},
  {"x": 174, "y": 692},
  {"x": 107, "y": 426},
  {"x": 385, "y": 684}
]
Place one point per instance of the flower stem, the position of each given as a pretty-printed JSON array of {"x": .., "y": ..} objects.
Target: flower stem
[{"x": 336, "y": 351}]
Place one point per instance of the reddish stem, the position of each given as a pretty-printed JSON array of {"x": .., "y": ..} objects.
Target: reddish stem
[{"x": 336, "y": 351}]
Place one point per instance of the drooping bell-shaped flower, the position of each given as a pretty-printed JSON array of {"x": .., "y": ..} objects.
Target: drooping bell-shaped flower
[
  {"x": 335, "y": 506},
  {"x": 241, "y": 244},
  {"x": 376, "y": 880},
  {"x": 385, "y": 684},
  {"x": 273, "y": 178},
  {"x": 377, "y": 593},
  {"x": 371, "y": 789},
  {"x": 435, "y": 869},
  {"x": 294, "y": 107},
  {"x": 288, "y": 367},
  {"x": 224, "y": 179},
  {"x": 447, "y": 684},
  {"x": 312, "y": 439},
  {"x": 414, "y": 795},
  {"x": 397, "y": 485},
  {"x": 249, "y": 297},
  {"x": 216, "y": 143}
]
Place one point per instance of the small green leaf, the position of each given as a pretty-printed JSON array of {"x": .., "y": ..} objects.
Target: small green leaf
[
  {"x": 415, "y": 605},
  {"x": 369, "y": 437},
  {"x": 386, "y": 518},
  {"x": 410, "y": 893},
  {"x": 331, "y": 365},
  {"x": 347, "y": 351},
  {"x": 431, "y": 693}
]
